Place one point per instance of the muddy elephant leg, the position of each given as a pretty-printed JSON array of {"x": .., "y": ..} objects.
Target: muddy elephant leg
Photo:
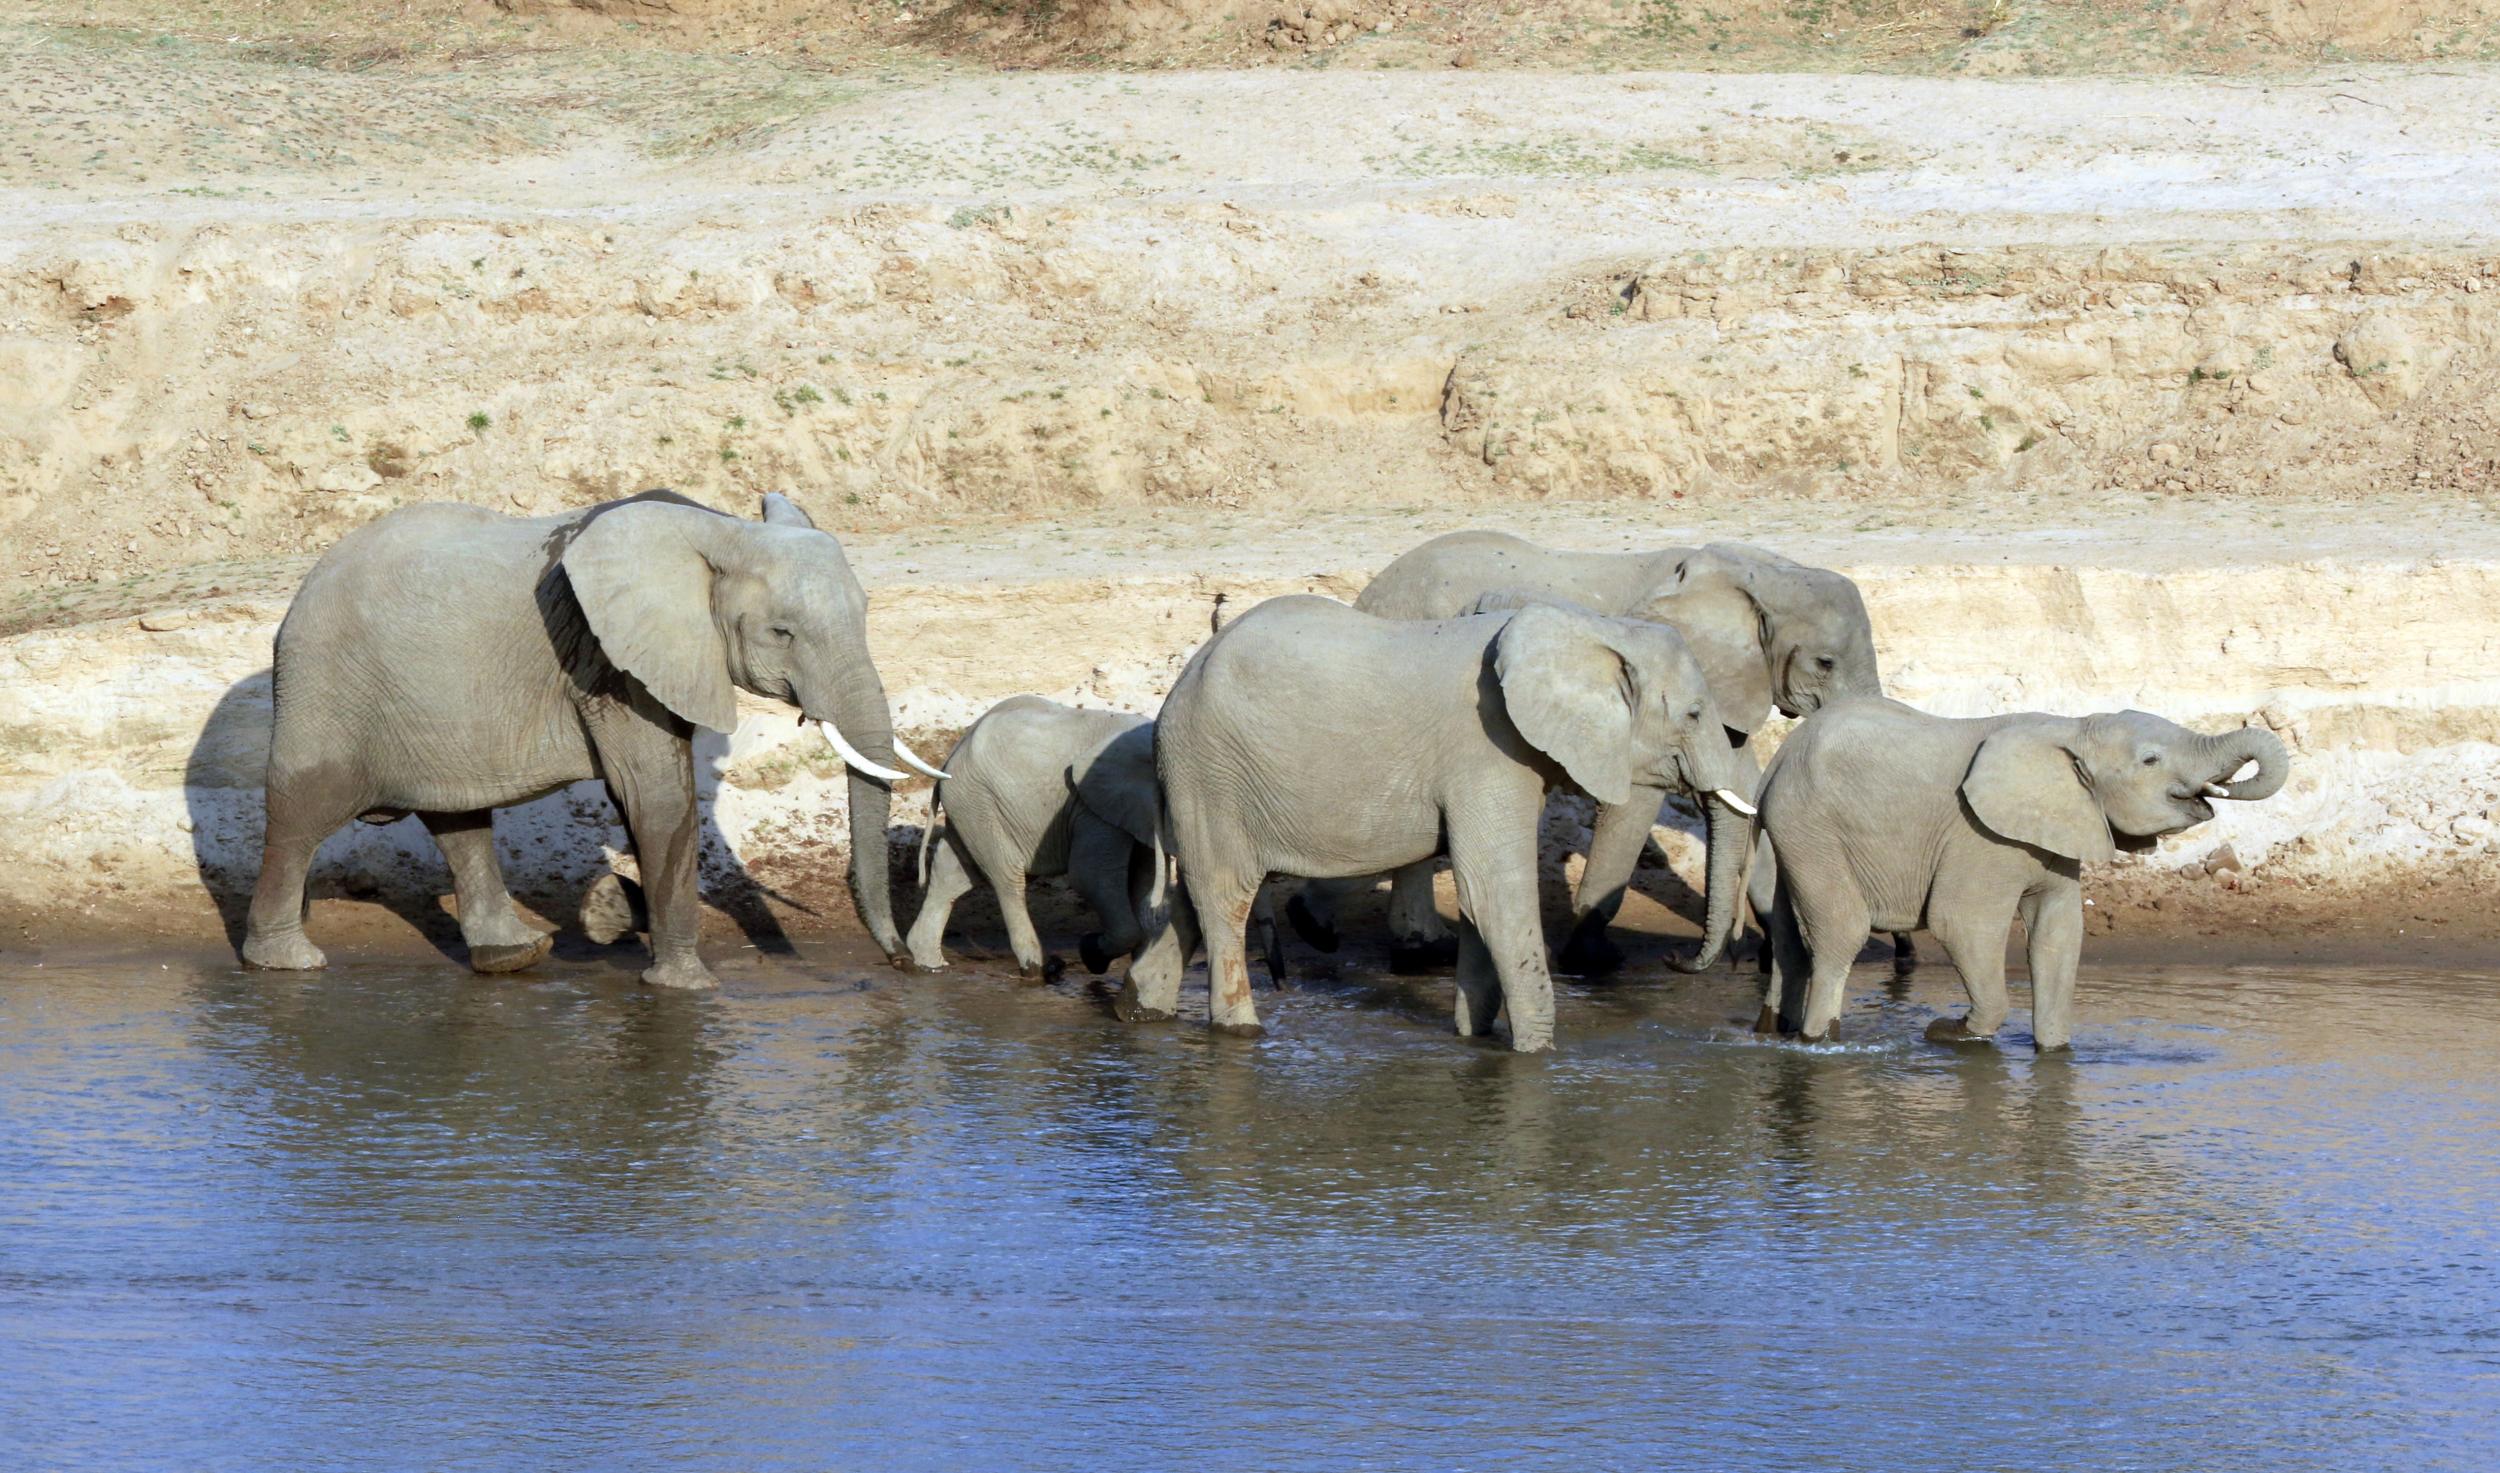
[
  {"x": 1621, "y": 831},
  {"x": 1102, "y": 865},
  {"x": 499, "y": 940},
  {"x": 1975, "y": 944},
  {"x": 950, "y": 880},
  {"x": 2053, "y": 927},
  {"x": 1419, "y": 940},
  {"x": 1225, "y": 901}
]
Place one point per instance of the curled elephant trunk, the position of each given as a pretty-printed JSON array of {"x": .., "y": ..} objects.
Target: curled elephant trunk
[
  {"x": 1731, "y": 844},
  {"x": 2231, "y": 751}
]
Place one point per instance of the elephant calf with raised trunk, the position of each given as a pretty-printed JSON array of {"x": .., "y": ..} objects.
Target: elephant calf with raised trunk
[
  {"x": 447, "y": 661},
  {"x": 1767, "y": 633},
  {"x": 1887, "y": 818},
  {"x": 1315, "y": 740},
  {"x": 1037, "y": 789}
]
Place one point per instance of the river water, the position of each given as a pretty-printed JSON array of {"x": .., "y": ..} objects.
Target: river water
[{"x": 402, "y": 1217}]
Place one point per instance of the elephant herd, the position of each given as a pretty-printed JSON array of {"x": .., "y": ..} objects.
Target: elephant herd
[{"x": 447, "y": 661}]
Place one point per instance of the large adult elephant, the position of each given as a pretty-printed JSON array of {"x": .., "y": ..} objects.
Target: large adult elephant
[
  {"x": 1767, "y": 632},
  {"x": 1315, "y": 740},
  {"x": 447, "y": 661}
]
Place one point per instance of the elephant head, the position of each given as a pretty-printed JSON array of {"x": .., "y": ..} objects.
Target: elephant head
[
  {"x": 1767, "y": 631},
  {"x": 2087, "y": 787},
  {"x": 696, "y": 605},
  {"x": 1621, "y": 705}
]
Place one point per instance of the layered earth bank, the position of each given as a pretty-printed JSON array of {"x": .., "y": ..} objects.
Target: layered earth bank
[{"x": 2166, "y": 393}]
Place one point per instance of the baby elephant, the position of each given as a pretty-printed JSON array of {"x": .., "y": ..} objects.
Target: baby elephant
[
  {"x": 1886, "y": 818},
  {"x": 1040, "y": 789}
]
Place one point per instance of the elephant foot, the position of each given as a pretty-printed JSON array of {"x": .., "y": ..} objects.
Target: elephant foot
[
  {"x": 1830, "y": 1034},
  {"x": 294, "y": 953},
  {"x": 1957, "y": 1031},
  {"x": 1238, "y": 1030},
  {"x": 1316, "y": 934},
  {"x": 1531, "y": 1043},
  {"x": 491, "y": 959},
  {"x": 1904, "y": 954},
  {"x": 613, "y": 909},
  {"x": 1420, "y": 958},
  {"x": 1043, "y": 972},
  {"x": 680, "y": 976},
  {"x": 909, "y": 965},
  {"x": 2046, "y": 1049},
  {"x": 1590, "y": 952},
  {"x": 1129, "y": 1007},
  {"x": 1089, "y": 950},
  {"x": 1767, "y": 1022}
]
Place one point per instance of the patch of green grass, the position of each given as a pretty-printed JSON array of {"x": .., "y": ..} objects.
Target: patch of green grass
[{"x": 479, "y": 421}]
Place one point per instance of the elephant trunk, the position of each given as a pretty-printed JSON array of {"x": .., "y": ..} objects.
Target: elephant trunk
[
  {"x": 2232, "y": 750},
  {"x": 855, "y": 706},
  {"x": 1731, "y": 844}
]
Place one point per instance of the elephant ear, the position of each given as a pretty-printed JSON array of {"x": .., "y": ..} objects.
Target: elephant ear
[
  {"x": 1705, "y": 599},
  {"x": 1570, "y": 692},
  {"x": 645, "y": 584},
  {"x": 781, "y": 511},
  {"x": 1115, "y": 781},
  {"x": 2026, "y": 785}
]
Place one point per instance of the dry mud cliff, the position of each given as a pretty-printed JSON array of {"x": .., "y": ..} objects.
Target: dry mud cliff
[{"x": 2173, "y": 393}]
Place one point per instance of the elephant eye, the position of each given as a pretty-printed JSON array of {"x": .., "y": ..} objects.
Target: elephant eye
[
  {"x": 1822, "y": 662},
  {"x": 2153, "y": 760},
  {"x": 1693, "y": 715},
  {"x": 783, "y": 633}
]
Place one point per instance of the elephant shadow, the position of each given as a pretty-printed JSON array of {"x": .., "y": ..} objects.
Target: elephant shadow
[{"x": 396, "y": 867}]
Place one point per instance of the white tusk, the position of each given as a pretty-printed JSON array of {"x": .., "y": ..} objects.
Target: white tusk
[
  {"x": 912, "y": 758},
  {"x": 2216, "y": 790},
  {"x": 852, "y": 755},
  {"x": 1732, "y": 801}
]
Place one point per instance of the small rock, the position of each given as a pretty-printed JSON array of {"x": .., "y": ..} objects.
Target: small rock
[
  {"x": 2222, "y": 861},
  {"x": 1465, "y": 58},
  {"x": 256, "y": 411},
  {"x": 164, "y": 621},
  {"x": 2164, "y": 453}
]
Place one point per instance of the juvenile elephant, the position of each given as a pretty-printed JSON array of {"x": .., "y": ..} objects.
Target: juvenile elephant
[
  {"x": 1315, "y": 740},
  {"x": 447, "y": 661},
  {"x": 1766, "y": 631},
  {"x": 1035, "y": 788},
  {"x": 1888, "y": 818}
]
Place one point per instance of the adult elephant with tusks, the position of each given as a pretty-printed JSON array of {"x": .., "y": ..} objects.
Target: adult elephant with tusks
[
  {"x": 1767, "y": 632},
  {"x": 1315, "y": 740},
  {"x": 447, "y": 661}
]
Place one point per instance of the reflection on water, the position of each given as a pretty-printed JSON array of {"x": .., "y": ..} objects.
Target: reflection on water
[{"x": 412, "y": 1218}]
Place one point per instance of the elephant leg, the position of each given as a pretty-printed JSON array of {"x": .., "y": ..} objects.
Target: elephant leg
[
  {"x": 1226, "y": 901},
  {"x": 1904, "y": 954},
  {"x": 652, "y": 770},
  {"x": 1271, "y": 939},
  {"x": 1493, "y": 856},
  {"x": 304, "y": 809},
  {"x": 1312, "y": 912},
  {"x": 1762, "y": 892},
  {"x": 1419, "y": 940},
  {"x": 499, "y": 940},
  {"x": 1151, "y": 992},
  {"x": 1479, "y": 984},
  {"x": 950, "y": 880},
  {"x": 1832, "y": 921},
  {"x": 1102, "y": 864},
  {"x": 1615, "y": 845},
  {"x": 1976, "y": 947},
  {"x": 1786, "y": 966},
  {"x": 2053, "y": 928},
  {"x": 1005, "y": 867}
]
